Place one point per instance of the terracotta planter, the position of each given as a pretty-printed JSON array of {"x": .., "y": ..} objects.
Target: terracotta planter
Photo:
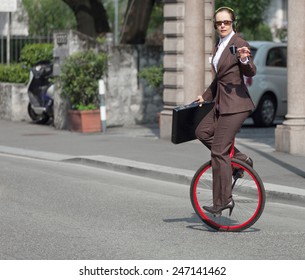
[{"x": 85, "y": 121}]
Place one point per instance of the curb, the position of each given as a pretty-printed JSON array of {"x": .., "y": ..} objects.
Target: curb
[
  {"x": 153, "y": 171},
  {"x": 274, "y": 193}
]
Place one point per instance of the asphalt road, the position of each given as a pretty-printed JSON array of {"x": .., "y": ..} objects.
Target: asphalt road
[{"x": 54, "y": 210}]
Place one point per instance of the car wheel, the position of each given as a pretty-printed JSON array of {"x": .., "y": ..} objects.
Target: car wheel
[{"x": 265, "y": 112}]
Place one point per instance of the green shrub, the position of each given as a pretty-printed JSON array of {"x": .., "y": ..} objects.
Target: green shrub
[
  {"x": 32, "y": 53},
  {"x": 282, "y": 34},
  {"x": 153, "y": 75},
  {"x": 79, "y": 78},
  {"x": 262, "y": 33},
  {"x": 86, "y": 107},
  {"x": 13, "y": 73}
]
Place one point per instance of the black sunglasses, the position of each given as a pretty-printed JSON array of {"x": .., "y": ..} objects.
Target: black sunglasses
[{"x": 225, "y": 22}]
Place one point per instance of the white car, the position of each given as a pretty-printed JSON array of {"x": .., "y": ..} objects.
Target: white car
[{"x": 268, "y": 88}]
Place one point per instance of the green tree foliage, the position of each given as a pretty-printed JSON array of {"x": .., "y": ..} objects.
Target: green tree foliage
[
  {"x": 262, "y": 32},
  {"x": 109, "y": 6},
  {"x": 45, "y": 16},
  {"x": 156, "y": 19},
  {"x": 250, "y": 15},
  {"x": 155, "y": 24},
  {"x": 94, "y": 17}
]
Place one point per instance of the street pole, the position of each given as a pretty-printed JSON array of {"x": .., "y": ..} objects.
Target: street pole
[
  {"x": 8, "y": 39},
  {"x": 116, "y": 21},
  {"x": 8, "y": 6}
]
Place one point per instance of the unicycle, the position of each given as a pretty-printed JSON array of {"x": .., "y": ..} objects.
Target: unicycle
[{"x": 248, "y": 193}]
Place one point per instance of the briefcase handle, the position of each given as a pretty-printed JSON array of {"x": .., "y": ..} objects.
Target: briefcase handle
[
  {"x": 203, "y": 103},
  {"x": 192, "y": 104}
]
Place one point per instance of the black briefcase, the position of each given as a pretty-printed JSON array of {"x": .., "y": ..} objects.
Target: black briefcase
[{"x": 185, "y": 120}]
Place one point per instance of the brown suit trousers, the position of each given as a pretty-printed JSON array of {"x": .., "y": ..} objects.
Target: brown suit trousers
[{"x": 217, "y": 132}]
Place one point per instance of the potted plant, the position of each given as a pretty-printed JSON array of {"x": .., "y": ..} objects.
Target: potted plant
[{"x": 79, "y": 83}]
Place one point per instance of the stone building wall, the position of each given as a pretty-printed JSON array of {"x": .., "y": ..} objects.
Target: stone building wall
[{"x": 129, "y": 100}]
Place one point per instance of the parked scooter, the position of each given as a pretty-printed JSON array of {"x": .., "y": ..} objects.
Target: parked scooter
[{"x": 41, "y": 92}]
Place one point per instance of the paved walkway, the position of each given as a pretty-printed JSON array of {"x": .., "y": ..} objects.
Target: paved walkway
[{"x": 139, "y": 150}]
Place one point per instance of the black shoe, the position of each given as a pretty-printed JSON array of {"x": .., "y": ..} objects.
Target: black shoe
[
  {"x": 216, "y": 210},
  {"x": 239, "y": 173}
]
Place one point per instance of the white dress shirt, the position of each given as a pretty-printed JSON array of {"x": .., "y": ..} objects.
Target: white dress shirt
[{"x": 223, "y": 42}]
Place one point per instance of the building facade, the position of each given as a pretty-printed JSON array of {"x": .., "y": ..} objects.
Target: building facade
[
  {"x": 276, "y": 17},
  {"x": 188, "y": 45},
  {"x": 19, "y": 25}
]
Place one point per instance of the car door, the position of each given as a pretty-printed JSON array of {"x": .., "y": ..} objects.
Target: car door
[{"x": 276, "y": 75}]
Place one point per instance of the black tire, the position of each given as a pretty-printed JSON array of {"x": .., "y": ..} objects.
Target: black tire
[
  {"x": 265, "y": 112},
  {"x": 248, "y": 194},
  {"x": 38, "y": 119}
]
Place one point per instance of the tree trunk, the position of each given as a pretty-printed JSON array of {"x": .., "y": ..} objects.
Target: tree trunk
[
  {"x": 91, "y": 16},
  {"x": 136, "y": 21}
]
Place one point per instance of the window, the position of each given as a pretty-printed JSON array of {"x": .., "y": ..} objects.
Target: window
[
  {"x": 253, "y": 51},
  {"x": 277, "y": 57}
]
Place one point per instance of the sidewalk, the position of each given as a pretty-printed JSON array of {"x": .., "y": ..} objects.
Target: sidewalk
[{"x": 138, "y": 150}]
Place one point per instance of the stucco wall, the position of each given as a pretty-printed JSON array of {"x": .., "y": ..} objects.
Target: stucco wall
[
  {"x": 128, "y": 99},
  {"x": 13, "y": 102}
]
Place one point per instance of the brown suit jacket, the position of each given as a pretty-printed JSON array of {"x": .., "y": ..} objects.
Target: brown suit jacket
[{"x": 228, "y": 85}]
